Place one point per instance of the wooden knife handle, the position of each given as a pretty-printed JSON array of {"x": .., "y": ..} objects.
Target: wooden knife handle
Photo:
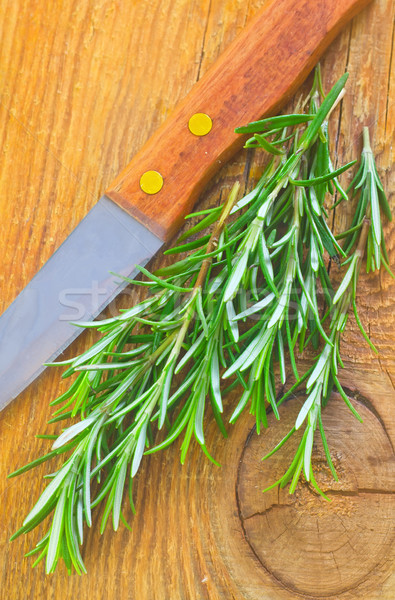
[{"x": 258, "y": 72}]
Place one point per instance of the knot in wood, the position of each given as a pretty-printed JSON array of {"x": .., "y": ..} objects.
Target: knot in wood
[{"x": 316, "y": 548}]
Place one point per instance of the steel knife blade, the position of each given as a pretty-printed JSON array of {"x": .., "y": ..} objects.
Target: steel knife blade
[
  {"x": 257, "y": 73},
  {"x": 74, "y": 285}
]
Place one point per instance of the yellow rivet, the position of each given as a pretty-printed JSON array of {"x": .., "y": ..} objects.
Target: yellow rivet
[
  {"x": 200, "y": 124},
  {"x": 151, "y": 182}
]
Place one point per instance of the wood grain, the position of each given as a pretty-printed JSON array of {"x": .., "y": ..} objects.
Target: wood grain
[{"x": 83, "y": 86}]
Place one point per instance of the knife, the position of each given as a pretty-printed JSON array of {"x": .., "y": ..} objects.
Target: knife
[{"x": 147, "y": 202}]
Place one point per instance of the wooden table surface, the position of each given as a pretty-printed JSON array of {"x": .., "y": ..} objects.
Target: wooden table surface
[{"x": 82, "y": 85}]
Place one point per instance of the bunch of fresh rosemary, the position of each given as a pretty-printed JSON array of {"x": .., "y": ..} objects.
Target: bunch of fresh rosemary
[{"x": 245, "y": 299}]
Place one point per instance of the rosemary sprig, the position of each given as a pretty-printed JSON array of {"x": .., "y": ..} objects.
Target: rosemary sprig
[
  {"x": 371, "y": 199},
  {"x": 322, "y": 377},
  {"x": 119, "y": 394},
  {"x": 286, "y": 240}
]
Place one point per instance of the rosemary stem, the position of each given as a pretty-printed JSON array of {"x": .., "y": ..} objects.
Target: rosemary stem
[
  {"x": 213, "y": 241},
  {"x": 366, "y": 140},
  {"x": 363, "y": 236}
]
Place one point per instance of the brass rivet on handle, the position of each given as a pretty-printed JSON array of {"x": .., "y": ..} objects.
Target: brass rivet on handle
[
  {"x": 151, "y": 182},
  {"x": 200, "y": 124}
]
